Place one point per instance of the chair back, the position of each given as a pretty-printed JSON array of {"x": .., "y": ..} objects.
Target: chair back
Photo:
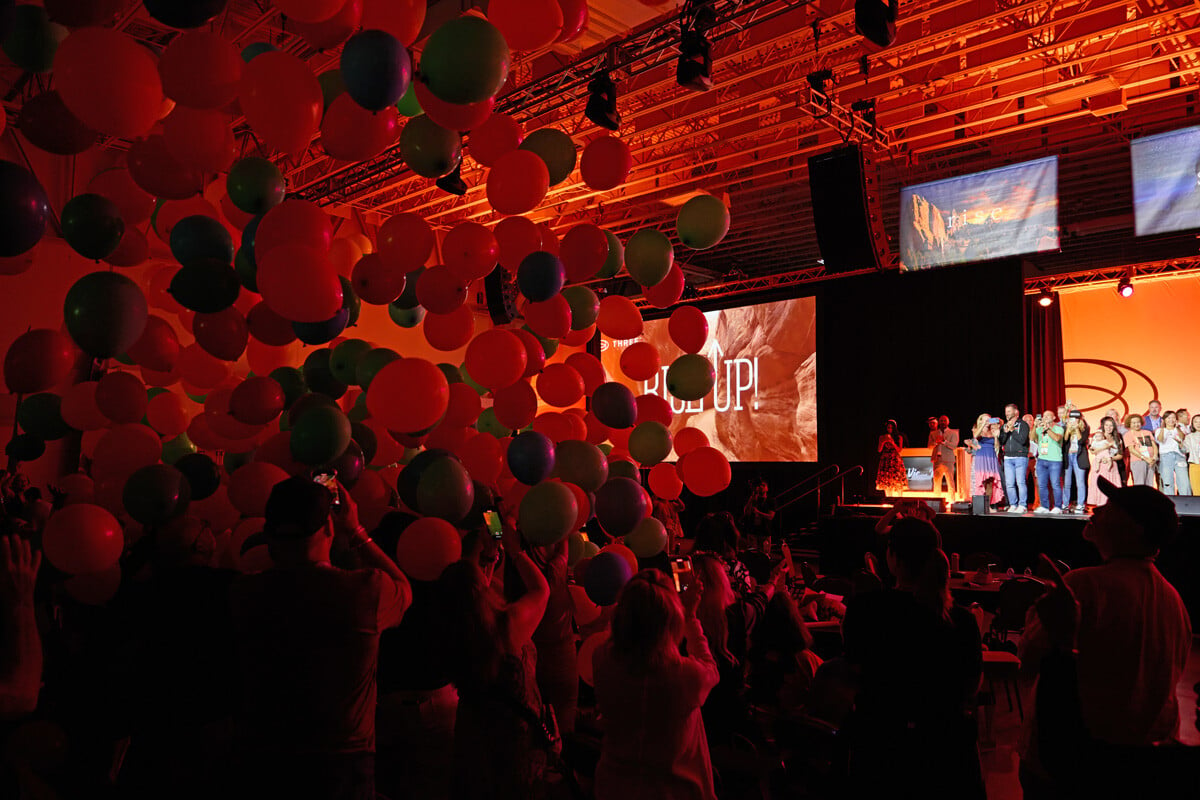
[{"x": 1016, "y": 597}]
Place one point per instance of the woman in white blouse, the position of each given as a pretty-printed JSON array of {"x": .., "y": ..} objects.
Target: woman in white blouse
[
  {"x": 1172, "y": 462},
  {"x": 1191, "y": 444}
]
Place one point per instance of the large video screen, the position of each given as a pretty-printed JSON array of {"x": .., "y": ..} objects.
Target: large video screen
[
  {"x": 995, "y": 214},
  {"x": 763, "y": 406},
  {"x": 1166, "y": 182}
]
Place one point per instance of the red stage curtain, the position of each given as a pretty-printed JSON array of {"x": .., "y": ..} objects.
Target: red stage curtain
[{"x": 1045, "y": 385}]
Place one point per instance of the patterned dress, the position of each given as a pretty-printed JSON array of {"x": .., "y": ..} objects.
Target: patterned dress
[{"x": 892, "y": 477}]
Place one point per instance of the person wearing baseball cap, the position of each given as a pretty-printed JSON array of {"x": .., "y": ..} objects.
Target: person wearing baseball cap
[
  {"x": 308, "y": 647},
  {"x": 1134, "y": 633}
]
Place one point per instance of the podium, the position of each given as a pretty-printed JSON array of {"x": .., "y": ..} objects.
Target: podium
[{"x": 919, "y": 466}]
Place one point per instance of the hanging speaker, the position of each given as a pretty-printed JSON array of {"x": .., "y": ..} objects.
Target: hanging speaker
[
  {"x": 846, "y": 211},
  {"x": 500, "y": 291},
  {"x": 875, "y": 20}
]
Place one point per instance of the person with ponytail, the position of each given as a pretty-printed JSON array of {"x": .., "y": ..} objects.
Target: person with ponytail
[{"x": 919, "y": 661}]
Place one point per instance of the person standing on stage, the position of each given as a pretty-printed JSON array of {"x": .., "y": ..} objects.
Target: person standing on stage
[
  {"x": 1116, "y": 418},
  {"x": 984, "y": 466},
  {"x": 1152, "y": 420},
  {"x": 1191, "y": 445},
  {"x": 1108, "y": 450},
  {"x": 944, "y": 440},
  {"x": 1172, "y": 461},
  {"x": 1014, "y": 445},
  {"x": 891, "y": 477},
  {"x": 758, "y": 518},
  {"x": 1142, "y": 450},
  {"x": 1075, "y": 462},
  {"x": 1048, "y": 436}
]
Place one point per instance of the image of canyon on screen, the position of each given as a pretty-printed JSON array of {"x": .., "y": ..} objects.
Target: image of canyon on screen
[
  {"x": 763, "y": 406},
  {"x": 1003, "y": 212},
  {"x": 1166, "y": 182}
]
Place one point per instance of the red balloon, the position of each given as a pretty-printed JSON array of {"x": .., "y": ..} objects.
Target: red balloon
[
  {"x": 327, "y": 33},
  {"x": 515, "y": 406},
  {"x": 201, "y": 369},
  {"x": 251, "y": 484},
  {"x": 535, "y": 354},
  {"x": 200, "y": 139},
  {"x": 464, "y": 406},
  {"x": 78, "y": 488},
  {"x": 705, "y": 471},
  {"x": 84, "y": 13},
  {"x": 405, "y": 242},
  {"x": 597, "y": 431},
  {"x": 256, "y": 401},
  {"x": 686, "y": 440},
  {"x": 575, "y": 19},
  {"x": 375, "y": 281},
  {"x": 549, "y": 318},
  {"x": 553, "y": 425},
  {"x": 518, "y": 182},
  {"x": 560, "y": 385},
  {"x": 38, "y": 360},
  {"x": 281, "y": 100},
  {"x": 16, "y": 265},
  {"x": 516, "y": 237},
  {"x": 123, "y": 450},
  {"x": 427, "y": 547},
  {"x": 579, "y": 338},
  {"x": 496, "y": 359},
  {"x": 619, "y": 318},
  {"x": 167, "y": 414},
  {"x": 664, "y": 481},
  {"x": 233, "y": 215},
  {"x": 134, "y": 249},
  {"x": 550, "y": 243},
  {"x": 201, "y": 69},
  {"x": 440, "y": 291},
  {"x": 277, "y": 450},
  {"x": 652, "y": 408},
  {"x": 499, "y": 135},
  {"x": 640, "y": 361},
  {"x": 448, "y": 437},
  {"x": 135, "y": 203},
  {"x": 156, "y": 171},
  {"x": 83, "y": 539},
  {"x": 666, "y": 292},
  {"x": 79, "y": 408},
  {"x": 223, "y": 334},
  {"x": 109, "y": 81},
  {"x": 452, "y": 116},
  {"x": 527, "y": 24},
  {"x": 351, "y": 133},
  {"x": 408, "y": 395},
  {"x": 589, "y": 368},
  {"x": 293, "y": 222},
  {"x": 401, "y": 18},
  {"x": 309, "y": 10},
  {"x": 121, "y": 397},
  {"x": 688, "y": 329},
  {"x": 268, "y": 327},
  {"x": 480, "y": 454},
  {"x": 470, "y": 251},
  {"x": 606, "y": 163},
  {"x": 299, "y": 283},
  {"x": 448, "y": 332},
  {"x": 584, "y": 251}
]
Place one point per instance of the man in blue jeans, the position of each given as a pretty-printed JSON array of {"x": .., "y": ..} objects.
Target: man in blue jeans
[
  {"x": 1014, "y": 449},
  {"x": 1048, "y": 436}
]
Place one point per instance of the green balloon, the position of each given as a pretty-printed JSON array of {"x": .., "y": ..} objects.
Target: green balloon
[
  {"x": 319, "y": 377},
  {"x": 246, "y": 270},
  {"x": 428, "y": 149},
  {"x": 255, "y": 185},
  {"x": 616, "y": 257},
  {"x": 606, "y": 448},
  {"x": 105, "y": 313},
  {"x": 205, "y": 286},
  {"x": 32, "y": 38},
  {"x": 690, "y": 377},
  {"x": 358, "y": 411},
  {"x": 585, "y": 306},
  {"x": 649, "y": 256},
  {"x": 647, "y": 539},
  {"x": 177, "y": 448},
  {"x": 332, "y": 87},
  {"x": 703, "y": 222},
  {"x": 320, "y": 436},
  {"x": 487, "y": 423},
  {"x": 371, "y": 362},
  {"x": 92, "y": 224},
  {"x": 40, "y": 415},
  {"x": 350, "y": 301},
  {"x": 156, "y": 493},
  {"x": 291, "y": 380},
  {"x": 25, "y": 447},
  {"x": 575, "y": 543},
  {"x": 344, "y": 360},
  {"x": 445, "y": 490},
  {"x": 623, "y": 469},
  {"x": 547, "y": 513},
  {"x": 408, "y": 105},
  {"x": 650, "y": 443},
  {"x": 580, "y": 463},
  {"x": 453, "y": 374},
  {"x": 590, "y": 549},
  {"x": 555, "y": 148},
  {"x": 466, "y": 60},
  {"x": 406, "y": 317},
  {"x": 469, "y": 381},
  {"x": 549, "y": 346}
]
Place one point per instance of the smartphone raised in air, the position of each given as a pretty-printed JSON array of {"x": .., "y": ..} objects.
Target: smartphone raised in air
[
  {"x": 681, "y": 571},
  {"x": 492, "y": 520},
  {"x": 329, "y": 481}
]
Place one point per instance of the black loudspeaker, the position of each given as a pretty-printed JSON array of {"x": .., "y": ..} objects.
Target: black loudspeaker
[
  {"x": 846, "y": 212},
  {"x": 1186, "y": 506},
  {"x": 979, "y": 505},
  {"x": 500, "y": 290},
  {"x": 875, "y": 20}
]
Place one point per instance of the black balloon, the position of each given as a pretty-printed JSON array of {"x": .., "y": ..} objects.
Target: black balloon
[
  {"x": 105, "y": 313},
  {"x": 184, "y": 13},
  {"x": 92, "y": 225},
  {"x": 366, "y": 440},
  {"x": 376, "y": 69},
  {"x": 410, "y": 476},
  {"x": 25, "y": 447},
  {"x": 349, "y": 465},
  {"x": 49, "y": 125},
  {"x": 156, "y": 493},
  {"x": 200, "y": 236},
  {"x": 319, "y": 377},
  {"x": 322, "y": 332},
  {"x": 23, "y": 210},
  {"x": 205, "y": 286},
  {"x": 201, "y": 473}
]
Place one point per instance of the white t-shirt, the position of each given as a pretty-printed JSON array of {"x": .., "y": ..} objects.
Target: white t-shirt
[{"x": 1169, "y": 443}]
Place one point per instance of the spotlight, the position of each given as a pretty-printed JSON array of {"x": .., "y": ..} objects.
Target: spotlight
[
  {"x": 1046, "y": 298},
  {"x": 865, "y": 109},
  {"x": 1125, "y": 287},
  {"x": 601, "y": 106},
  {"x": 819, "y": 79},
  {"x": 453, "y": 182},
  {"x": 694, "y": 70}
]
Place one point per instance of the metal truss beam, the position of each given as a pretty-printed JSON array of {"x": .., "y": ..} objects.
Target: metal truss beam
[{"x": 1147, "y": 271}]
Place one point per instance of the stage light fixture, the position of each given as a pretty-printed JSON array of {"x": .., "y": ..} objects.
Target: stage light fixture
[
  {"x": 819, "y": 79},
  {"x": 694, "y": 70},
  {"x": 1125, "y": 287},
  {"x": 875, "y": 20},
  {"x": 601, "y": 106},
  {"x": 1046, "y": 298}
]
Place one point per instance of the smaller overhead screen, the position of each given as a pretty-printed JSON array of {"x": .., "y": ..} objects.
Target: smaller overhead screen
[
  {"x": 1166, "y": 182},
  {"x": 987, "y": 215}
]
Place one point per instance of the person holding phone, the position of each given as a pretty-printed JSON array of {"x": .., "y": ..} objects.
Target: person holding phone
[
  {"x": 650, "y": 695},
  {"x": 1142, "y": 450},
  {"x": 1013, "y": 440},
  {"x": 1191, "y": 444},
  {"x": 985, "y": 469},
  {"x": 1171, "y": 459},
  {"x": 1076, "y": 463},
  {"x": 1048, "y": 437}
]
